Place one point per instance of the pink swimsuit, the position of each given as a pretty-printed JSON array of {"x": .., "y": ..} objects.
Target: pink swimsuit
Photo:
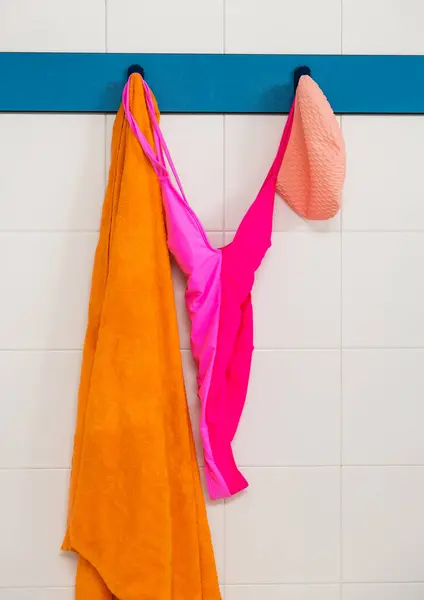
[{"x": 218, "y": 298}]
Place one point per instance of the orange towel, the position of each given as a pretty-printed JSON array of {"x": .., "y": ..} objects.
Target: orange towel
[{"x": 137, "y": 516}]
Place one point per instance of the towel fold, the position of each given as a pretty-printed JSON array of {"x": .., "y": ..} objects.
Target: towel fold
[{"x": 137, "y": 516}]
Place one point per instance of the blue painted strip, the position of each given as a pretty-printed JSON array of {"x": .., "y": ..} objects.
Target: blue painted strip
[{"x": 212, "y": 83}]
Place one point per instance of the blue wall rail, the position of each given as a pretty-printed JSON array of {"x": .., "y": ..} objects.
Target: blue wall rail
[{"x": 209, "y": 83}]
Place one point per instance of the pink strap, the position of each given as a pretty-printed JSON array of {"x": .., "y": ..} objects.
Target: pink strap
[
  {"x": 158, "y": 161},
  {"x": 157, "y": 165},
  {"x": 275, "y": 167},
  {"x": 159, "y": 136}
]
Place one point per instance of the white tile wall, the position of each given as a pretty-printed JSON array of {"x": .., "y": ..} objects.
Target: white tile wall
[
  {"x": 383, "y": 27},
  {"x": 52, "y": 26},
  {"x": 383, "y": 294},
  {"x": 305, "y": 424},
  {"x": 44, "y": 289},
  {"x": 283, "y": 592},
  {"x": 165, "y": 26},
  {"x": 32, "y": 517},
  {"x": 383, "y": 190},
  {"x": 383, "y": 525},
  {"x": 37, "y": 594},
  {"x": 285, "y": 528},
  {"x": 52, "y": 171},
  {"x": 196, "y": 144},
  {"x": 216, "y": 517},
  {"x": 385, "y": 591},
  {"x": 331, "y": 437},
  {"x": 383, "y": 410},
  {"x": 281, "y": 26},
  {"x": 297, "y": 292},
  {"x": 37, "y": 414}
]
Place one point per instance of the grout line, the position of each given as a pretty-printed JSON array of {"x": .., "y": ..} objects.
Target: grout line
[
  {"x": 262, "y": 467},
  {"x": 224, "y": 179},
  {"x": 41, "y": 587},
  {"x": 47, "y": 231},
  {"x": 341, "y": 532},
  {"x": 322, "y": 583},
  {"x": 383, "y": 466},
  {"x": 256, "y": 350},
  {"x": 336, "y": 349},
  {"x": 225, "y": 543},
  {"x": 335, "y": 466},
  {"x": 106, "y": 16},
  {"x": 46, "y": 350},
  {"x": 11, "y": 469},
  {"x": 224, "y": 230},
  {"x": 224, "y": 27},
  {"x": 384, "y": 582},
  {"x": 381, "y": 231},
  {"x": 285, "y": 350},
  {"x": 106, "y": 165},
  {"x": 277, "y": 584},
  {"x": 283, "y": 584},
  {"x": 341, "y": 390}
]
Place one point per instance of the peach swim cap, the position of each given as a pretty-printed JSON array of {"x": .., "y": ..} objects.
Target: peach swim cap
[{"x": 311, "y": 176}]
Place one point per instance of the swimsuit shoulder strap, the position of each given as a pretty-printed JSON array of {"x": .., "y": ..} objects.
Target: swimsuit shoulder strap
[
  {"x": 275, "y": 167},
  {"x": 156, "y": 158},
  {"x": 160, "y": 159},
  {"x": 253, "y": 236}
]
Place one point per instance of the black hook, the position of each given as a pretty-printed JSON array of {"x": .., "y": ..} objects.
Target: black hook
[
  {"x": 135, "y": 69},
  {"x": 298, "y": 72}
]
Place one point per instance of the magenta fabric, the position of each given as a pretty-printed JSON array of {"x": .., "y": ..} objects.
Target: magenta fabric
[{"x": 218, "y": 299}]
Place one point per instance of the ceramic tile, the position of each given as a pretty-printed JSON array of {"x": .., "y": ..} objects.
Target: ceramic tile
[
  {"x": 196, "y": 143},
  {"x": 110, "y": 119},
  {"x": 37, "y": 417},
  {"x": 283, "y": 27},
  {"x": 52, "y": 26},
  {"x": 383, "y": 524},
  {"x": 383, "y": 591},
  {"x": 283, "y": 592},
  {"x": 381, "y": 27},
  {"x": 383, "y": 183},
  {"x": 45, "y": 287},
  {"x": 382, "y": 292},
  {"x": 164, "y": 26},
  {"x": 52, "y": 171},
  {"x": 32, "y": 521},
  {"x": 296, "y": 296},
  {"x": 285, "y": 527},
  {"x": 292, "y": 411},
  {"x": 216, "y": 518},
  {"x": 38, "y": 594},
  {"x": 382, "y": 408}
]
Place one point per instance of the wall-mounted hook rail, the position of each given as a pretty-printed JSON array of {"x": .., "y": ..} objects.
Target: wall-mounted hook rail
[{"x": 209, "y": 83}]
